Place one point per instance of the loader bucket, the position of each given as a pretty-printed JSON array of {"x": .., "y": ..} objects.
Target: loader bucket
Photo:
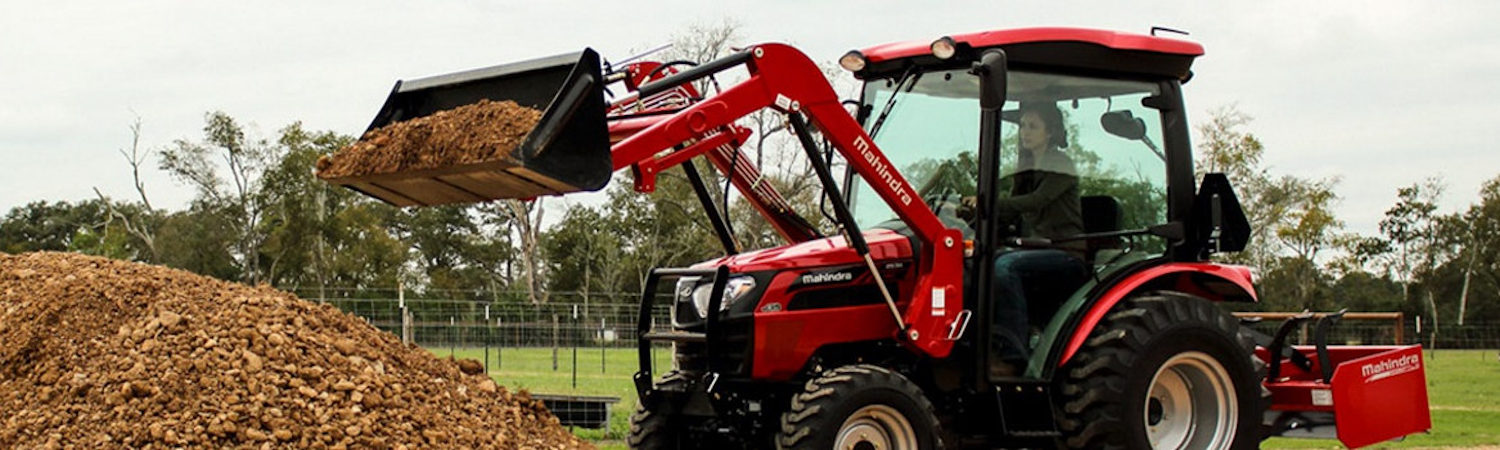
[{"x": 567, "y": 151}]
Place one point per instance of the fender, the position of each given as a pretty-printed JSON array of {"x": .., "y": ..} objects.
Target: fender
[{"x": 1217, "y": 282}]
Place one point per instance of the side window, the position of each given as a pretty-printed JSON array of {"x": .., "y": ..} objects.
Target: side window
[
  {"x": 1126, "y": 172},
  {"x": 1113, "y": 146}
]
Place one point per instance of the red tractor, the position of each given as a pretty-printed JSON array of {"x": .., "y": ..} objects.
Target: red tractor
[{"x": 910, "y": 325}]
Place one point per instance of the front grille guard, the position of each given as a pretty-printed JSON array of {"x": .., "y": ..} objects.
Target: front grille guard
[{"x": 645, "y": 336}]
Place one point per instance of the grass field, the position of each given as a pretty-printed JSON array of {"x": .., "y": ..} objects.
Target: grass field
[{"x": 1463, "y": 388}]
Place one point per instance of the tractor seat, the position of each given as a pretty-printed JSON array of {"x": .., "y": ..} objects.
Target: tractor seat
[{"x": 1101, "y": 213}]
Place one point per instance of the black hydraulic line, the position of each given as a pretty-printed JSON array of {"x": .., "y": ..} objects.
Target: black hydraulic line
[
  {"x": 715, "y": 217},
  {"x": 841, "y": 208},
  {"x": 825, "y": 176},
  {"x": 823, "y": 199},
  {"x": 693, "y": 74},
  {"x": 658, "y": 69},
  {"x": 728, "y": 178}
]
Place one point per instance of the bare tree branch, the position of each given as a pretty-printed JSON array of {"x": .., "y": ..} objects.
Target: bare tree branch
[{"x": 134, "y": 228}]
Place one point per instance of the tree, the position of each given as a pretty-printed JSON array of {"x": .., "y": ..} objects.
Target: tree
[
  {"x": 298, "y": 209},
  {"x": 1269, "y": 202},
  {"x": 195, "y": 240},
  {"x": 138, "y": 222},
  {"x": 237, "y": 200},
  {"x": 1413, "y": 245},
  {"x": 584, "y": 254},
  {"x": 1479, "y": 230},
  {"x": 43, "y": 226},
  {"x": 525, "y": 218},
  {"x": 1291, "y": 218}
]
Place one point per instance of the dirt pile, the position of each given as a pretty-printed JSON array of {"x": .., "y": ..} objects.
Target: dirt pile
[
  {"x": 98, "y": 353},
  {"x": 477, "y": 132}
]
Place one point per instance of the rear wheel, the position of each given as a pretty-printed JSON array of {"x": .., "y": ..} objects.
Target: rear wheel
[
  {"x": 1165, "y": 371},
  {"x": 859, "y": 407}
]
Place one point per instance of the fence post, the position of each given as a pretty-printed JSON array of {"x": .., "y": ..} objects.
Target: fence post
[
  {"x": 1400, "y": 328},
  {"x": 573, "y": 337},
  {"x": 554, "y": 342},
  {"x": 486, "y": 332},
  {"x": 405, "y": 314},
  {"x": 602, "y": 345}
]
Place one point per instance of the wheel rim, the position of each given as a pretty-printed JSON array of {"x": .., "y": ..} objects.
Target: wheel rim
[
  {"x": 876, "y": 427},
  {"x": 1191, "y": 404}
]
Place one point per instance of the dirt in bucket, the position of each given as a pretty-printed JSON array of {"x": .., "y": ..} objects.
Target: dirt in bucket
[{"x": 473, "y": 133}]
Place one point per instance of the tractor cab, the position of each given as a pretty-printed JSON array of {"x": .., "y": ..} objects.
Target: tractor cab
[{"x": 1057, "y": 189}]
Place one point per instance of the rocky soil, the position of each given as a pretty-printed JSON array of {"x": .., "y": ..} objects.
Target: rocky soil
[
  {"x": 477, "y": 132},
  {"x": 99, "y": 353}
]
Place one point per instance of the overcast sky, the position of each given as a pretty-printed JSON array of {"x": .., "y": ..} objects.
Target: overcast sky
[{"x": 1379, "y": 93}]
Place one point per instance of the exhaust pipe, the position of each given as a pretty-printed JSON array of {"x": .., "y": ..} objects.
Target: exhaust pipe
[{"x": 567, "y": 151}]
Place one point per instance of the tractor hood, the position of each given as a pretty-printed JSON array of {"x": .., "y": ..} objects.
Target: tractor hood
[{"x": 884, "y": 245}]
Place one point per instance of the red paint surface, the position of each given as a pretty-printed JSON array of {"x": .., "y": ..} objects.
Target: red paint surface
[{"x": 1112, "y": 39}]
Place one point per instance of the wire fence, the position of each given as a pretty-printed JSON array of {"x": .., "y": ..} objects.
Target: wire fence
[
  {"x": 583, "y": 320},
  {"x": 1390, "y": 328},
  {"x": 436, "y": 323}
]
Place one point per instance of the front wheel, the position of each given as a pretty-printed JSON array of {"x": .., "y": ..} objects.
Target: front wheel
[
  {"x": 654, "y": 430},
  {"x": 1163, "y": 371},
  {"x": 859, "y": 407}
]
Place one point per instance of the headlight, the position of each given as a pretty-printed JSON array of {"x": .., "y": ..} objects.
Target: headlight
[
  {"x": 944, "y": 47},
  {"x": 853, "y": 61},
  {"x": 734, "y": 289}
]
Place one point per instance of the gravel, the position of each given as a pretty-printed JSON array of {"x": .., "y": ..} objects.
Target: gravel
[
  {"x": 102, "y": 353},
  {"x": 474, "y": 133}
]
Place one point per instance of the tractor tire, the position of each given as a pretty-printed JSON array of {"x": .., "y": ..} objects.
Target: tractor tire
[
  {"x": 860, "y": 404},
  {"x": 651, "y": 430},
  {"x": 1166, "y": 371}
]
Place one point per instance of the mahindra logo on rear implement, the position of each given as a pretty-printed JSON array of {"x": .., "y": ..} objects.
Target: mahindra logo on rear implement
[
  {"x": 883, "y": 169},
  {"x": 1390, "y": 367}
]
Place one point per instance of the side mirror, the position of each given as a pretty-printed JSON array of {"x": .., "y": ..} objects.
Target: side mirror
[
  {"x": 1123, "y": 124},
  {"x": 992, "y": 79}
]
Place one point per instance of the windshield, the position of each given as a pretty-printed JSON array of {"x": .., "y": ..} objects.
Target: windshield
[
  {"x": 1078, "y": 154},
  {"x": 929, "y": 133}
]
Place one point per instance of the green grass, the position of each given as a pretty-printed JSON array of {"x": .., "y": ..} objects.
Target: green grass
[
  {"x": 532, "y": 369},
  {"x": 1463, "y": 390}
]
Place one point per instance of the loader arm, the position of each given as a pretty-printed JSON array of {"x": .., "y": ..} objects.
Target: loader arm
[
  {"x": 722, "y": 148},
  {"x": 784, "y": 79},
  {"x": 632, "y": 114}
]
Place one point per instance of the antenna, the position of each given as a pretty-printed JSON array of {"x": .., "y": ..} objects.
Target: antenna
[
  {"x": 645, "y": 54},
  {"x": 1155, "y": 29}
]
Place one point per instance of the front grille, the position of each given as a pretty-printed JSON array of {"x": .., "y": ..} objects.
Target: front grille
[{"x": 733, "y": 345}]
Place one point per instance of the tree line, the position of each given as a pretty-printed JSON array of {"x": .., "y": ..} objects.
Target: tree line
[{"x": 258, "y": 215}]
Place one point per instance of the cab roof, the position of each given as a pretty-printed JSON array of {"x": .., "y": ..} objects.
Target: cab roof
[{"x": 1077, "y": 48}]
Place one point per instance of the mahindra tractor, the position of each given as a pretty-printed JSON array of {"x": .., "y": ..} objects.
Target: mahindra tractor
[{"x": 881, "y": 328}]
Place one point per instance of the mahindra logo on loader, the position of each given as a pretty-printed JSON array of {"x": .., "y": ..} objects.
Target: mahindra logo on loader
[
  {"x": 1391, "y": 367},
  {"x": 883, "y": 169}
]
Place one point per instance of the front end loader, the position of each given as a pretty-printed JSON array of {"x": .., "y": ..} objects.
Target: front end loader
[{"x": 883, "y": 331}]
